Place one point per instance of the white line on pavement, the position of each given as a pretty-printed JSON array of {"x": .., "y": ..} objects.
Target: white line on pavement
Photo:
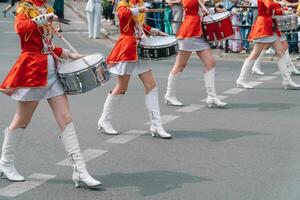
[
  {"x": 88, "y": 155},
  {"x": 17, "y": 188},
  {"x": 267, "y": 78},
  {"x": 255, "y": 83},
  {"x": 165, "y": 119},
  {"x": 235, "y": 91},
  {"x": 190, "y": 108},
  {"x": 276, "y": 73},
  {"x": 126, "y": 137},
  {"x": 221, "y": 97}
]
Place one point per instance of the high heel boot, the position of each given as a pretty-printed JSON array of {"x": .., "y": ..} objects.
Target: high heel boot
[
  {"x": 170, "y": 96},
  {"x": 256, "y": 67},
  {"x": 80, "y": 173},
  {"x": 9, "y": 149},
  {"x": 287, "y": 82},
  {"x": 156, "y": 127},
  {"x": 291, "y": 67},
  {"x": 105, "y": 121},
  {"x": 212, "y": 99},
  {"x": 242, "y": 79}
]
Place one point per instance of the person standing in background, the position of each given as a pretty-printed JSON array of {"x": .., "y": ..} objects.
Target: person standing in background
[
  {"x": 177, "y": 14},
  {"x": 93, "y": 10},
  {"x": 12, "y": 4},
  {"x": 58, "y": 7}
]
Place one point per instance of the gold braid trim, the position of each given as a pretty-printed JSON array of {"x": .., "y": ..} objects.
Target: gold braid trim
[{"x": 139, "y": 20}]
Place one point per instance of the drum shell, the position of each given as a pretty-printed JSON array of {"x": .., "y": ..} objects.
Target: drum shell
[
  {"x": 84, "y": 80},
  {"x": 146, "y": 52},
  {"x": 218, "y": 29},
  {"x": 286, "y": 23}
]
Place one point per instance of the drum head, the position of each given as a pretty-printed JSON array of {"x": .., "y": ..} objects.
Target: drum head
[
  {"x": 157, "y": 41},
  {"x": 80, "y": 64},
  {"x": 215, "y": 17}
]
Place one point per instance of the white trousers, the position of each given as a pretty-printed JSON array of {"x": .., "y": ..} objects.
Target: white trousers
[{"x": 94, "y": 21}]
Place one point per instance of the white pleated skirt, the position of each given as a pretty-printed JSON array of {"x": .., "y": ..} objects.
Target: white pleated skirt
[
  {"x": 130, "y": 68},
  {"x": 269, "y": 39},
  {"x": 54, "y": 87},
  {"x": 193, "y": 44}
]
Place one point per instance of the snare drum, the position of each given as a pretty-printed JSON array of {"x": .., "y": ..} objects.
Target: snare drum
[
  {"x": 217, "y": 26},
  {"x": 84, "y": 74},
  {"x": 286, "y": 23},
  {"x": 157, "y": 47}
]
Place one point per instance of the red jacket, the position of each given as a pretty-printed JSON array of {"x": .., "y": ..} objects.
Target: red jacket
[
  {"x": 262, "y": 27},
  {"x": 191, "y": 26},
  {"x": 30, "y": 70},
  {"x": 125, "y": 49}
]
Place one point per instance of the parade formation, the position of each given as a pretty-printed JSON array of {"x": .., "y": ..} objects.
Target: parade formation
[{"x": 41, "y": 73}]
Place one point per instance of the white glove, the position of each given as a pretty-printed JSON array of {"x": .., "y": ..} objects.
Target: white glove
[{"x": 44, "y": 19}]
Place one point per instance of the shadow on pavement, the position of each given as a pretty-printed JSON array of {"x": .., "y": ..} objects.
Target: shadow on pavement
[{"x": 150, "y": 182}]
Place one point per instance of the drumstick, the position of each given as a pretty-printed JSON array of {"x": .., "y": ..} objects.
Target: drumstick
[
  {"x": 155, "y": 10},
  {"x": 64, "y": 40}
]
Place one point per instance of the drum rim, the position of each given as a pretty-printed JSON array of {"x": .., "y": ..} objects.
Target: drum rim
[
  {"x": 227, "y": 14},
  {"x": 157, "y": 59},
  {"x": 103, "y": 63},
  {"x": 159, "y": 46}
]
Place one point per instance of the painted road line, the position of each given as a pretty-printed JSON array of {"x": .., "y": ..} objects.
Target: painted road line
[
  {"x": 126, "y": 137},
  {"x": 190, "y": 108},
  {"x": 221, "y": 97},
  {"x": 255, "y": 83},
  {"x": 165, "y": 119},
  {"x": 18, "y": 188},
  {"x": 235, "y": 91},
  {"x": 267, "y": 78},
  {"x": 276, "y": 73},
  {"x": 88, "y": 155}
]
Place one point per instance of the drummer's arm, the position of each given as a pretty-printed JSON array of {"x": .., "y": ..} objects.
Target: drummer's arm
[
  {"x": 271, "y": 4},
  {"x": 23, "y": 24}
]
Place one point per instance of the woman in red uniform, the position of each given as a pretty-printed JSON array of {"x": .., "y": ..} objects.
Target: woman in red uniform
[
  {"x": 124, "y": 62},
  {"x": 190, "y": 38},
  {"x": 263, "y": 34},
  {"x": 34, "y": 78}
]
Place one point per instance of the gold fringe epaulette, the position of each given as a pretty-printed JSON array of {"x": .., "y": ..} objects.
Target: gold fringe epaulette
[{"x": 30, "y": 10}]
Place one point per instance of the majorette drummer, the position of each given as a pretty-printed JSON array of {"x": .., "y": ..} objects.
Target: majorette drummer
[
  {"x": 34, "y": 78},
  {"x": 264, "y": 34},
  {"x": 124, "y": 62},
  {"x": 191, "y": 39}
]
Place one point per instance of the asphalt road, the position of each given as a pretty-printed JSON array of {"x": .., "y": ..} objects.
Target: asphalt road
[{"x": 249, "y": 151}]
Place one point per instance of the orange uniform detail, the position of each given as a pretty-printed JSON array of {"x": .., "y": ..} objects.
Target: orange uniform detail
[
  {"x": 191, "y": 26},
  {"x": 262, "y": 27},
  {"x": 31, "y": 68},
  {"x": 125, "y": 49}
]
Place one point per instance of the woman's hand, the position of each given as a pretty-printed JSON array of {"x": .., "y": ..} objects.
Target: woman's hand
[
  {"x": 162, "y": 33},
  {"x": 74, "y": 56}
]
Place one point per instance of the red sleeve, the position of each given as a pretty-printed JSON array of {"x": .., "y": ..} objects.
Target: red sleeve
[
  {"x": 147, "y": 29},
  {"x": 23, "y": 24},
  {"x": 278, "y": 12},
  {"x": 271, "y": 4},
  {"x": 58, "y": 51},
  {"x": 124, "y": 11}
]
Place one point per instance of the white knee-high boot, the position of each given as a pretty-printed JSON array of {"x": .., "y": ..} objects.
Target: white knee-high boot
[
  {"x": 80, "y": 173},
  {"x": 287, "y": 82},
  {"x": 212, "y": 99},
  {"x": 170, "y": 96},
  {"x": 242, "y": 79},
  {"x": 291, "y": 67},
  {"x": 9, "y": 150},
  {"x": 111, "y": 104},
  {"x": 256, "y": 67},
  {"x": 151, "y": 100}
]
